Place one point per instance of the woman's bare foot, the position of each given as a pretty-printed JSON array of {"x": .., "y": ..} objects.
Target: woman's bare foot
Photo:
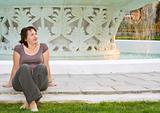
[
  {"x": 25, "y": 106},
  {"x": 33, "y": 106}
]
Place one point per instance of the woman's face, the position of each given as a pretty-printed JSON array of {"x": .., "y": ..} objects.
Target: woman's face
[{"x": 32, "y": 37}]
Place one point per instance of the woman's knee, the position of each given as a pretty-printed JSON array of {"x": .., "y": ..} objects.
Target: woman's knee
[
  {"x": 41, "y": 66},
  {"x": 25, "y": 67}
]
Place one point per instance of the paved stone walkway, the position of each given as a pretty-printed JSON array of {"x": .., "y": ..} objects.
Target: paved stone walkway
[{"x": 94, "y": 88}]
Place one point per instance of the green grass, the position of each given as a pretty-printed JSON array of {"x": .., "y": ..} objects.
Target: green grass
[
  {"x": 76, "y": 107},
  {"x": 137, "y": 38}
]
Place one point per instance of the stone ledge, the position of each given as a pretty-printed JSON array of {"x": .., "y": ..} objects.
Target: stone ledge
[
  {"x": 96, "y": 66},
  {"x": 4, "y": 98}
]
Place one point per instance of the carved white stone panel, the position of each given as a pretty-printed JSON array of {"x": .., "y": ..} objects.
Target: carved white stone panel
[{"x": 69, "y": 31}]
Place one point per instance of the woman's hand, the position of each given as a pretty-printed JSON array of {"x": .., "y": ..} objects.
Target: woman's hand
[
  {"x": 7, "y": 85},
  {"x": 51, "y": 84}
]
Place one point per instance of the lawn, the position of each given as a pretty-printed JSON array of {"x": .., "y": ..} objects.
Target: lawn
[
  {"x": 77, "y": 107},
  {"x": 138, "y": 38}
]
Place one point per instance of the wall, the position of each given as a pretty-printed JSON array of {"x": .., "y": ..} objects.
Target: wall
[{"x": 139, "y": 46}]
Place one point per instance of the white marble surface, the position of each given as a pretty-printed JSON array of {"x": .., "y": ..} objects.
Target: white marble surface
[{"x": 94, "y": 88}]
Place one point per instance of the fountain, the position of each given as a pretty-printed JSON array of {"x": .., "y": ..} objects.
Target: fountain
[{"x": 72, "y": 29}]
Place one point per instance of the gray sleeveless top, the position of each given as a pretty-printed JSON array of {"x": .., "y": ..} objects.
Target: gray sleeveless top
[{"x": 31, "y": 60}]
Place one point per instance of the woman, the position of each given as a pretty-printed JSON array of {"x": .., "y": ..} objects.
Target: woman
[{"x": 30, "y": 71}]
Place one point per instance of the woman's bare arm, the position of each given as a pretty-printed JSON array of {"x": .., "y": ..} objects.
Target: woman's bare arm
[
  {"x": 16, "y": 58},
  {"x": 46, "y": 57}
]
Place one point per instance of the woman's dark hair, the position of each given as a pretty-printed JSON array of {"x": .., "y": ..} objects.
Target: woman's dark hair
[{"x": 24, "y": 34}]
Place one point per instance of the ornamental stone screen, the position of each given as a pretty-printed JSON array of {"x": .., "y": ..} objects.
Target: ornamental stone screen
[{"x": 72, "y": 31}]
